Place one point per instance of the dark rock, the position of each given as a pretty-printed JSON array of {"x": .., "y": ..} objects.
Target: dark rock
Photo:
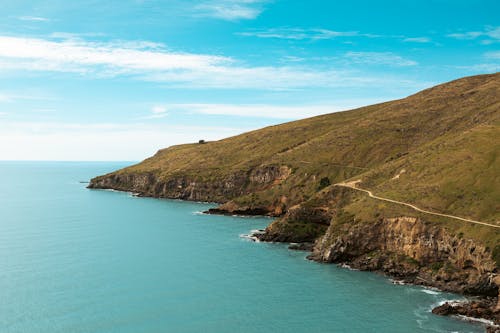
[
  {"x": 480, "y": 309},
  {"x": 301, "y": 246},
  {"x": 445, "y": 309}
]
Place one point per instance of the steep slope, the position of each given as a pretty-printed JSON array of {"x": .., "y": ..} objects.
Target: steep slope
[
  {"x": 437, "y": 149},
  {"x": 270, "y": 170}
]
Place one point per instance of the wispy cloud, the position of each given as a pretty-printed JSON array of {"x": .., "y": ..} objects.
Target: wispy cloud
[
  {"x": 481, "y": 68},
  {"x": 492, "y": 33},
  {"x": 492, "y": 55},
  {"x": 26, "y": 94},
  {"x": 417, "y": 40},
  {"x": 378, "y": 58},
  {"x": 148, "y": 61},
  {"x": 231, "y": 10},
  {"x": 72, "y": 35},
  {"x": 157, "y": 111},
  {"x": 33, "y": 18},
  {"x": 4, "y": 97},
  {"x": 70, "y": 55},
  {"x": 491, "y": 64},
  {"x": 269, "y": 110},
  {"x": 302, "y": 34}
]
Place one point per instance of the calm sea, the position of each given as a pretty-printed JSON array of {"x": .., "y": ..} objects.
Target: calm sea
[{"x": 79, "y": 260}]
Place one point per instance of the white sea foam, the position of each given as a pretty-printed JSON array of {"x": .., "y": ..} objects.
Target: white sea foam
[
  {"x": 343, "y": 265},
  {"x": 477, "y": 320},
  {"x": 430, "y": 291},
  {"x": 250, "y": 237},
  {"x": 452, "y": 302},
  {"x": 398, "y": 282}
]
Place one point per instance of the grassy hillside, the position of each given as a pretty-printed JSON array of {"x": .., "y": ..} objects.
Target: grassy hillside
[
  {"x": 443, "y": 141},
  {"x": 457, "y": 173},
  {"x": 438, "y": 149}
]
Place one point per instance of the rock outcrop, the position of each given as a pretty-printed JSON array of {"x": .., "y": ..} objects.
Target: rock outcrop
[
  {"x": 195, "y": 189},
  {"x": 417, "y": 252},
  {"x": 483, "y": 309},
  {"x": 444, "y": 140}
]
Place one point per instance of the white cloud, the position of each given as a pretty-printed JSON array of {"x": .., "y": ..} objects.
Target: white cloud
[
  {"x": 63, "y": 141},
  {"x": 489, "y": 32},
  {"x": 270, "y": 111},
  {"x": 491, "y": 64},
  {"x": 231, "y": 10},
  {"x": 76, "y": 36},
  {"x": 417, "y": 39},
  {"x": 154, "y": 62},
  {"x": 482, "y": 68},
  {"x": 492, "y": 55},
  {"x": 157, "y": 111},
  {"x": 25, "y": 94},
  {"x": 290, "y": 58},
  {"x": 4, "y": 98},
  {"x": 301, "y": 34},
  {"x": 378, "y": 58},
  {"x": 136, "y": 141},
  {"x": 71, "y": 55},
  {"x": 33, "y": 18}
]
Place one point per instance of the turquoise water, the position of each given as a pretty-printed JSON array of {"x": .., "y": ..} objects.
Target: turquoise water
[{"x": 78, "y": 260}]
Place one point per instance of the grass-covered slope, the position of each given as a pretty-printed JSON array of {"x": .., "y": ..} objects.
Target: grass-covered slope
[
  {"x": 444, "y": 138},
  {"x": 437, "y": 150},
  {"x": 458, "y": 174}
]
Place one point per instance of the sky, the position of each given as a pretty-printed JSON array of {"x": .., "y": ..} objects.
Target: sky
[{"x": 118, "y": 80}]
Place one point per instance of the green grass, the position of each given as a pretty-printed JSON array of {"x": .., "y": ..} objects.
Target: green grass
[{"x": 445, "y": 138}]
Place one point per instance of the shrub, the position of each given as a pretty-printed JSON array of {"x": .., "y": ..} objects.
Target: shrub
[{"x": 324, "y": 182}]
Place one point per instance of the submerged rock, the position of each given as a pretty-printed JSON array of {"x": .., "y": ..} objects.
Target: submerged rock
[
  {"x": 301, "y": 246},
  {"x": 480, "y": 310}
]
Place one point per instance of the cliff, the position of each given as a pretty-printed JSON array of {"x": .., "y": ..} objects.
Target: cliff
[{"x": 437, "y": 149}]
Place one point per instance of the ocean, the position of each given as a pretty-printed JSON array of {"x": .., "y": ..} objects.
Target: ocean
[{"x": 80, "y": 260}]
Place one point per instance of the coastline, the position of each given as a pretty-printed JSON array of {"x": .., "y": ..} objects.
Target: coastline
[
  {"x": 471, "y": 310},
  {"x": 474, "y": 309}
]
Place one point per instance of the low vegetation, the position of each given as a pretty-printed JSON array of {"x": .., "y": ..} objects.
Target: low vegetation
[{"x": 438, "y": 149}]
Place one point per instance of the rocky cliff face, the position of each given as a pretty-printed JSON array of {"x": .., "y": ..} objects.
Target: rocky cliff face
[
  {"x": 222, "y": 189},
  {"x": 413, "y": 251},
  {"x": 181, "y": 187},
  {"x": 444, "y": 140}
]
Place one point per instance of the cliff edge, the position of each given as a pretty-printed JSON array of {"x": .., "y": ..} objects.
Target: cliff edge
[{"x": 437, "y": 150}]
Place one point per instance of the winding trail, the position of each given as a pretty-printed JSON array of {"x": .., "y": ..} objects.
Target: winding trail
[{"x": 353, "y": 185}]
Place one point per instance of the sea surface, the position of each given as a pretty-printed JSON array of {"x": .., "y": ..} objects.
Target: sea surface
[{"x": 79, "y": 260}]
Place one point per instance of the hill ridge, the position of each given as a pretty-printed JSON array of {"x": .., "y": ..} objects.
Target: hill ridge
[{"x": 445, "y": 138}]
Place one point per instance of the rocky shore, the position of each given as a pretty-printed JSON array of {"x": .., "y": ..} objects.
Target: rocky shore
[
  {"x": 405, "y": 248},
  {"x": 415, "y": 252},
  {"x": 482, "y": 310},
  {"x": 435, "y": 149}
]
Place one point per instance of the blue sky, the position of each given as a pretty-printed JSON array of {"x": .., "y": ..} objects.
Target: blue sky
[{"x": 118, "y": 80}]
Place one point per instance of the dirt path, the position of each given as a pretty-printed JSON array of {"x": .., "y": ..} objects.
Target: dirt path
[{"x": 353, "y": 185}]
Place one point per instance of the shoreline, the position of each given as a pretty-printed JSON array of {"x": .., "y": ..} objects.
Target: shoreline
[
  {"x": 453, "y": 308},
  {"x": 490, "y": 325}
]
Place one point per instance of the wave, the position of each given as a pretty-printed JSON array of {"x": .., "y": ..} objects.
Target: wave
[
  {"x": 431, "y": 291},
  {"x": 344, "y": 265},
  {"x": 477, "y": 320},
  {"x": 250, "y": 237},
  {"x": 253, "y": 235}
]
